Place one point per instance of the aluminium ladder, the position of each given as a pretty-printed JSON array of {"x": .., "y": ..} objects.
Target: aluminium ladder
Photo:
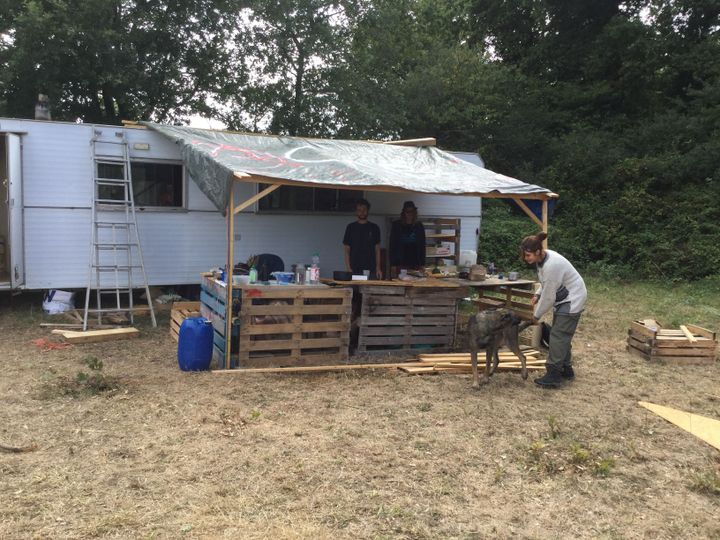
[{"x": 116, "y": 262}]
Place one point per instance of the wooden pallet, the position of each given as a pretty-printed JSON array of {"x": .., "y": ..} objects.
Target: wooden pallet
[
  {"x": 179, "y": 312},
  {"x": 398, "y": 319},
  {"x": 509, "y": 297},
  {"x": 687, "y": 345},
  {"x": 294, "y": 326}
]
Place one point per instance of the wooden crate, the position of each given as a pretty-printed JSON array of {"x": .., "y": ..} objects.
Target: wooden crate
[
  {"x": 506, "y": 296},
  {"x": 294, "y": 326},
  {"x": 179, "y": 312},
  {"x": 649, "y": 340},
  {"x": 403, "y": 319}
]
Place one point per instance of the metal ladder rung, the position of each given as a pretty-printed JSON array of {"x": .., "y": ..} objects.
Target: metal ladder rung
[
  {"x": 111, "y": 181},
  {"x": 114, "y": 291},
  {"x": 114, "y": 224},
  {"x": 115, "y": 267},
  {"x": 113, "y": 202},
  {"x": 112, "y": 247},
  {"x": 114, "y": 310},
  {"x": 109, "y": 158}
]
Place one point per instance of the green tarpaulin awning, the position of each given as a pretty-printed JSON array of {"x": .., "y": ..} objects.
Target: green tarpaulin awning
[{"x": 212, "y": 158}]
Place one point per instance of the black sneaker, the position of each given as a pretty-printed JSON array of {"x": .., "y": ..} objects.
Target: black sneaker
[
  {"x": 567, "y": 373},
  {"x": 551, "y": 379}
]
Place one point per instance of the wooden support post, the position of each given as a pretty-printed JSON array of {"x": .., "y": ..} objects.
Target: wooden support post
[
  {"x": 545, "y": 221},
  {"x": 229, "y": 274}
]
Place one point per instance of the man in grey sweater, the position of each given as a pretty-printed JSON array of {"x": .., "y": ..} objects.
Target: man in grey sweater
[{"x": 563, "y": 289}]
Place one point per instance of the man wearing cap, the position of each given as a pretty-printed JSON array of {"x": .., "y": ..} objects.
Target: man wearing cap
[
  {"x": 407, "y": 241},
  {"x": 362, "y": 243}
]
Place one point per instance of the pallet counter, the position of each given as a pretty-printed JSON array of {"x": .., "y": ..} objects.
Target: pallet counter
[
  {"x": 278, "y": 325},
  {"x": 406, "y": 316}
]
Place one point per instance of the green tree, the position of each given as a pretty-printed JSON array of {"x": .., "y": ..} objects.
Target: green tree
[
  {"x": 107, "y": 60},
  {"x": 289, "y": 48}
]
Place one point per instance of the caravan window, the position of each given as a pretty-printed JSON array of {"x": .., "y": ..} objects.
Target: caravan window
[
  {"x": 306, "y": 199},
  {"x": 156, "y": 185}
]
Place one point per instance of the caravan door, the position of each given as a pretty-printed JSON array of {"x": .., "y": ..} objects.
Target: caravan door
[{"x": 15, "y": 208}]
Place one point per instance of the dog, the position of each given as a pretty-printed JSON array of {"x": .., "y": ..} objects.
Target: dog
[{"x": 491, "y": 329}]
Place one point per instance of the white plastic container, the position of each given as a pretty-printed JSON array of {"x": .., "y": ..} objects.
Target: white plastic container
[{"x": 468, "y": 258}]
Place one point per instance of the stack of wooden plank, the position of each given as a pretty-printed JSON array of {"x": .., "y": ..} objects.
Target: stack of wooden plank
[
  {"x": 460, "y": 362},
  {"x": 689, "y": 344},
  {"x": 179, "y": 312}
]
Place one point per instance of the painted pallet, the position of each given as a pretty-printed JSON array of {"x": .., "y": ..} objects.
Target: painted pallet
[
  {"x": 398, "y": 319},
  {"x": 179, "y": 312},
  {"x": 212, "y": 307},
  {"x": 688, "y": 345}
]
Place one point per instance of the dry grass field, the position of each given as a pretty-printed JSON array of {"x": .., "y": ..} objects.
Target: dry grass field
[{"x": 139, "y": 449}]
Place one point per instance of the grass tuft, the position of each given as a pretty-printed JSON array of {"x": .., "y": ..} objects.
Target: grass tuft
[{"x": 707, "y": 483}]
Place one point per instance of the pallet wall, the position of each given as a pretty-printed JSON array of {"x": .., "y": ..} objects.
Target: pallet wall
[
  {"x": 406, "y": 319},
  {"x": 294, "y": 326},
  {"x": 279, "y": 325}
]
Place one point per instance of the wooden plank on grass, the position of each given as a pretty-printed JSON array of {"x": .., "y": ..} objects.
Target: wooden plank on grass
[
  {"x": 310, "y": 369},
  {"x": 94, "y": 336},
  {"x": 704, "y": 428}
]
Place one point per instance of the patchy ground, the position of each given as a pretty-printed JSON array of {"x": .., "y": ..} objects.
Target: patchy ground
[{"x": 138, "y": 449}]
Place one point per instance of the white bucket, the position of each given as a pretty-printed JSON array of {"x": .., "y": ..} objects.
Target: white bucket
[{"x": 468, "y": 258}]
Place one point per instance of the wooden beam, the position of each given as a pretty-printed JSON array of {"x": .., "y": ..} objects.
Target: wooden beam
[
  {"x": 386, "y": 189},
  {"x": 304, "y": 369},
  {"x": 252, "y": 200},
  {"x": 425, "y": 141},
  {"x": 529, "y": 212},
  {"x": 545, "y": 221}
]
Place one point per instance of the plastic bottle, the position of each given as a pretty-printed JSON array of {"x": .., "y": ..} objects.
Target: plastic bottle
[
  {"x": 491, "y": 268},
  {"x": 315, "y": 269},
  {"x": 253, "y": 274}
]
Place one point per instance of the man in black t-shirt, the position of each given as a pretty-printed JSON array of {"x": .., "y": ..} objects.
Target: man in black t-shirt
[{"x": 362, "y": 243}]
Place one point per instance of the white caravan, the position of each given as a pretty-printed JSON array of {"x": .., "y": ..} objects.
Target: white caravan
[{"x": 45, "y": 211}]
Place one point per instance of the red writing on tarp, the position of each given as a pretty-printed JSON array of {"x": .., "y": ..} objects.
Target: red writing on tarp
[{"x": 217, "y": 149}]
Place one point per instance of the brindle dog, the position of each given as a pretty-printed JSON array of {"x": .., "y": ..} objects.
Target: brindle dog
[{"x": 490, "y": 330}]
